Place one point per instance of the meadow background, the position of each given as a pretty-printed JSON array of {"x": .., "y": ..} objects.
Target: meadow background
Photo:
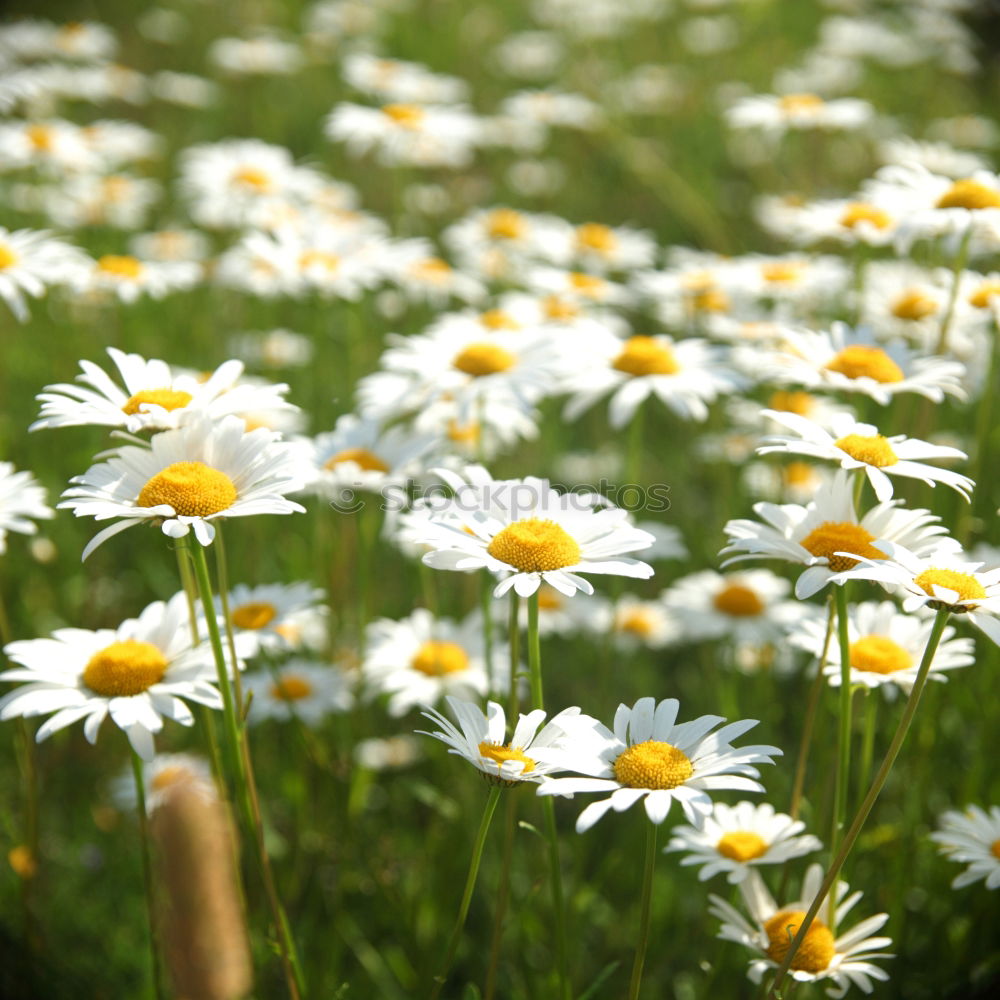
[{"x": 371, "y": 863}]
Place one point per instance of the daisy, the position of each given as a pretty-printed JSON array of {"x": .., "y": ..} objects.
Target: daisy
[
  {"x": 972, "y": 837},
  {"x": 401, "y": 81},
  {"x": 360, "y": 453},
  {"x": 820, "y": 535},
  {"x": 632, "y": 623},
  {"x": 735, "y": 837},
  {"x": 161, "y": 774},
  {"x": 856, "y": 445},
  {"x": 650, "y": 757},
  {"x": 776, "y": 115},
  {"x": 847, "y": 960},
  {"x": 388, "y": 753},
  {"x": 746, "y": 607},
  {"x": 846, "y": 221},
  {"x": 504, "y": 240},
  {"x": 187, "y": 478},
  {"x": 551, "y": 107},
  {"x": 885, "y": 647},
  {"x": 30, "y": 262},
  {"x": 529, "y": 533},
  {"x": 22, "y": 502},
  {"x": 302, "y": 689},
  {"x": 156, "y": 396},
  {"x": 275, "y": 617},
  {"x": 137, "y": 674},
  {"x": 127, "y": 278},
  {"x": 941, "y": 579},
  {"x": 849, "y": 361},
  {"x": 481, "y": 739},
  {"x": 685, "y": 375},
  {"x": 419, "y": 659}
]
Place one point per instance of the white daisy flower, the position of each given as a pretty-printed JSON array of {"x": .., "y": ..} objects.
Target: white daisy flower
[
  {"x": 827, "y": 537},
  {"x": 187, "y": 478},
  {"x": 419, "y": 659},
  {"x": 850, "y": 222},
  {"x": 776, "y": 115},
  {"x": 848, "y": 360},
  {"x": 685, "y": 375},
  {"x": 388, "y": 753},
  {"x": 529, "y": 533},
  {"x": 551, "y": 107},
  {"x": 602, "y": 248},
  {"x": 481, "y": 739},
  {"x": 847, "y": 960},
  {"x": 171, "y": 244},
  {"x": 398, "y": 80},
  {"x": 941, "y": 579},
  {"x": 652, "y": 758},
  {"x": 264, "y": 54},
  {"x": 161, "y": 774},
  {"x": 856, "y": 445},
  {"x": 275, "y": 617},
  {"x": 302, "y": 689},
  {"x": 972, "y": 837},
  {"x": 745, "y": 607},
  {"x": 156, "y": 396},
  {"x": 735, "y": 837},
  {"x": 631, "y": 622},
  {"x": 137, "y": 674},
  {"x": 30, "y": 262},
  {"x": 22, "y": 502},
  {"x": 128, "y": 279},
  {"x": 361, "y": 453},
  {"x": 886, "y": 647}
]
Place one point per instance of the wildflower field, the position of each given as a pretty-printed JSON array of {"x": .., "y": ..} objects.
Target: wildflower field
[{"x": 498, "y": 499}]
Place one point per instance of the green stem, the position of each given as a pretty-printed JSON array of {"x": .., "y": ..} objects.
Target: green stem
[
  {"x": 503, "y": 896},
  {"x": 514, "y": 638},
  {"x": 644, "y": 912},
  {"x": 548, "y": 808},
  {"x": 960, "y": 260},
  {"x": 470, "y": 884},
  {"x": 486, "y": 609},
  {"x": 147, "y": 874},
  {"x": 222, "y": 573},
  {"x": 873, "y": 793},
  {"x": 868, "y": 737},
  {"x": 843, "y": 731},
  {"x": 633, "y": 457}
]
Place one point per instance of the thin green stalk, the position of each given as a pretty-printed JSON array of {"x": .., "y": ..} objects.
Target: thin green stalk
[
  {"x": 147, "y": 875},
  {"x": 949, "y": 313},
  {"x": 222, "y": 574},
  {"x": 514, "y": 640},
  {"x": 633, "y": 456},
  {"x": 644, "y": 911},
  {"x": 470, "y": 884},
  {"x": 984, "y": 428},
  {"x": 503, "y": 896},
  {"x": 843, "y": 732},
  {"x": 548, "y": 807},
  {"x": 865, "y": 808},
  {"x": 486, "y": 608},
  {"x": 868, "y": 737}
]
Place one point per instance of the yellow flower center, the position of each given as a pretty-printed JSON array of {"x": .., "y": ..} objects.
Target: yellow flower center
[
  {"x": 586, "y": 284},
  {"x": 124, "y": 668},
  {"x": 253, "y": 178},
  {"x": 549, "y": 599},
  {"x": 193, "y": 489},
  {"x": 115, "y": 188},
  {"x": 858, "y": 211},
  {"x": 405, "y": 115},
  {"x": 872, "y": 450},
  {"x": 437, "y": 658},
  {"x": 41, "y": 137},
  {"x": 711, "y": 300},
  {"x": 738, "y": 600},
  {"x": 875, "y": 654},
  {"x": 432, "y": 269},
  {"x": 557, "y": 309},
  {"x": 965, "y": 585},
  {"x": 535, "y": 546},
  {"x": 254, "y": 614},
  {"x": 505, "y": 224},
  {"x": 969, "y": 194},
  {"x": 995, "y": 849},
  {"x": 913, "y": 305},
  {"x": 981, "y": 298},
  {"x": 817, "y": 948},
  {"x": 497, "y": 319},
  {"x": 594, "y": 236},
  {"x": 653, "y": 764},
  {"x": 120, "y": 266},
  {"x": 22, "y": 861},
  {"x": 792, "y": 402},
  {"x": 169, "y": 776},
  {"x": 463, "y": 433},
  {"x": 7, "y": 257},
  {"x": 795, "y": 103},
  {"x": 840, "y": 536},
  {"x": 169, "y": 399},
  {"x": 501, "y": 753},
  {"x": 484, "y": 359},
  {"x": 783, "y": 272},
  {"x": 636, "y": 621},
  {"x": 798, "y": 474},
  {"x": 319, "y": 258},
  {"x": 291, "y": 687},
  {"x": 859, "y": 361},
  {"x": 361, "y": 457},
  {"x": 741, "y": 845},
  {"x": 646, "y": 356}
]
